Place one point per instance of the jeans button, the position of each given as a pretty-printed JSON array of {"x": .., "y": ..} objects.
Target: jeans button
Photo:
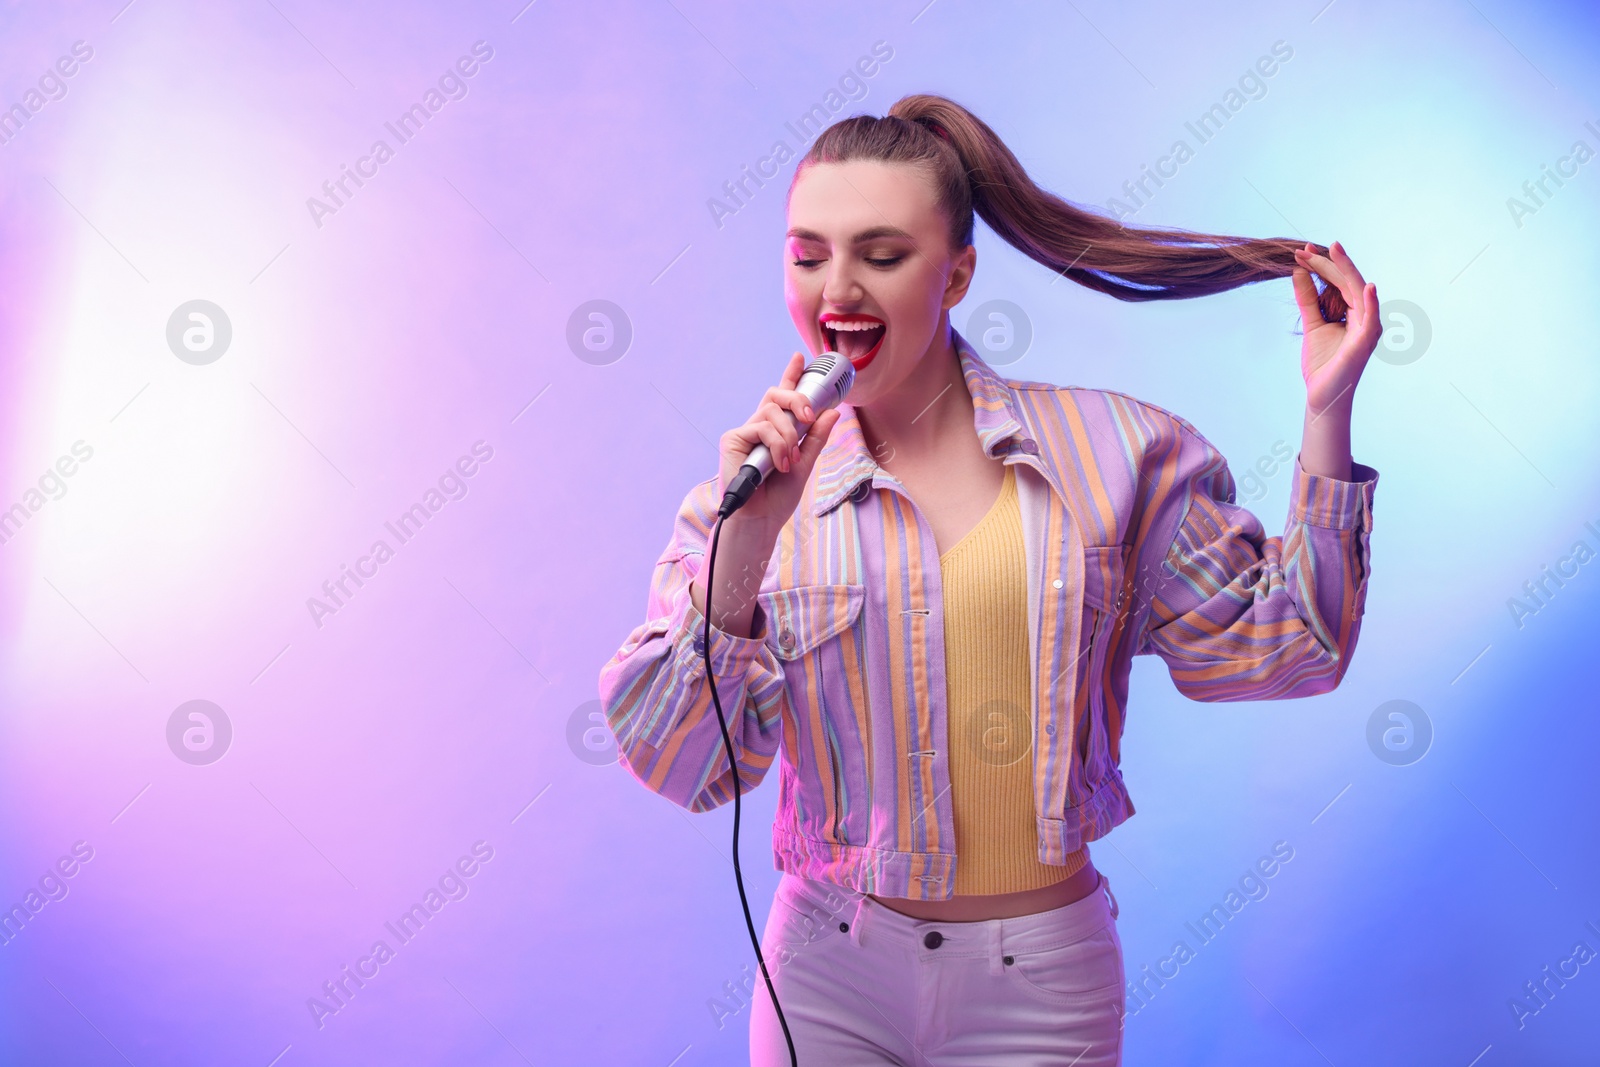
[{"x": 933, "y": 939}]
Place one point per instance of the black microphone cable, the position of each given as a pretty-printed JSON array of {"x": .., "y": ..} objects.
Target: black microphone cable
[
  {"x": 733, "y": 764},
  {"x": 824, "y": 384}
]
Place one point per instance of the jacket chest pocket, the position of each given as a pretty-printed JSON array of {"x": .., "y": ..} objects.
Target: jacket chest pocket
[
  {"x": 813, "y": 632},
  {"x": 802, "y": 617}
]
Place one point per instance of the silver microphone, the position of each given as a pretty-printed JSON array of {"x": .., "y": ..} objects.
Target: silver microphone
[{"x": 824, "y": 383}]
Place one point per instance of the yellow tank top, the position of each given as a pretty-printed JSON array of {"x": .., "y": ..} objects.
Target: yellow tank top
[{"x": 990, "y": 738}]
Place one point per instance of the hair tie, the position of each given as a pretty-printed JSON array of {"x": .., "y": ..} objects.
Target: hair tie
[{"x": 932, "y": 127}]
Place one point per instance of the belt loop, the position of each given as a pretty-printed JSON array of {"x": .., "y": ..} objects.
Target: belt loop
[
  {"x": 855, "y": 920},
  {"x": 1105, "y": 883},
  {"x": 996, "y": 945}
]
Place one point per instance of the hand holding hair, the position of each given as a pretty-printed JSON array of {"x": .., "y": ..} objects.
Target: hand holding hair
[{"x": 1332, "y": 355}]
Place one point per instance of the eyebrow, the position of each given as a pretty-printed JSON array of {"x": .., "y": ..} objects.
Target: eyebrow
[{"x": 873, "y": 234}]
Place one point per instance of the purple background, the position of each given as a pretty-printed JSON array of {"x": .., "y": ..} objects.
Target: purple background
[{"x": 444, "y": 702}]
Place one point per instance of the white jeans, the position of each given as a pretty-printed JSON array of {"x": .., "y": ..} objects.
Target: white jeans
[{"x": 861, "y": 984}]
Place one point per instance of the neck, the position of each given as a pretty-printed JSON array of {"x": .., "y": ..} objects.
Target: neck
[{"x": 931, "y": 406}]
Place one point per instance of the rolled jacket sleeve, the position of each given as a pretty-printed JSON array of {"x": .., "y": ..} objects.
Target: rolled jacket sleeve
[
  {"x": 653, "y": 689},
  {"x": 1237, "y": 615}
]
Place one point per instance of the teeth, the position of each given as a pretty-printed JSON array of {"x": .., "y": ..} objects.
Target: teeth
[{"x": 852, "y": 325}]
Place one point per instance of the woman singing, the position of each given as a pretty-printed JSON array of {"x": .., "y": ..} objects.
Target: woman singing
[{"x": 928, "y": 611}]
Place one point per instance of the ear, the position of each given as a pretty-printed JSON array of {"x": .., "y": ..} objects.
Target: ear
[{"x": 962, "y": 266}]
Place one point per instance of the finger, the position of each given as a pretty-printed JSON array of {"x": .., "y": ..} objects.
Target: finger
[
  {"x": 1362, "y": 316},
  {"x": 740, "y": 441},
  {"x": 791, "y": 373},
  {"x": 776, "y": 414},
  {"x": 792, "y": 400},
  {"x": 1346, "y": 264},
  {"x": 1371, "y": 324},
  {"x": 1361, "y": 340},
  {"x": 1305, "y": 296},
  {"x": 782, "y": 424},
  {"x": 1331, "y": 273},
  {"x": 780, "y": 448},
  {"x": 821, "y": 429},
  {"x": 811, "y": 447},
  {"x": 1325, "y": 268},
  {"x": 1308, "y": 295},
  {"x": 758, "y": 432}
]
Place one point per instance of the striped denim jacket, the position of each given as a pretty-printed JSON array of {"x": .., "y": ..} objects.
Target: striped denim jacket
[{"x": 1134, "y": 544}]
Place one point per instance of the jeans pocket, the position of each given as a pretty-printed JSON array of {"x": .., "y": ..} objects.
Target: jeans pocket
[
  {"x": 1083, "y": 971},
  {"x": 804, "y": 920}
]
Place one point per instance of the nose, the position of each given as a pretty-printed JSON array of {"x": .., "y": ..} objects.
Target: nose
[{"x": 842, "y": 287}]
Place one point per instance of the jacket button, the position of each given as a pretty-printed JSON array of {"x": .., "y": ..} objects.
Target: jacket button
[
  {"x": 786, "y": 638},
  {"x": 1057, "y": 583},
  {"x": 1030, "y": 446},
  {"x": 934, "y": 939},
  {"x": 699, "y": 643},
  {"x": 1049, "y": 727}
]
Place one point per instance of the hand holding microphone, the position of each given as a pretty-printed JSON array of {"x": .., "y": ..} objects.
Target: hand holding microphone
[
  {"x": 766, "y": 463},
  {"x": 804, "y": 405}
]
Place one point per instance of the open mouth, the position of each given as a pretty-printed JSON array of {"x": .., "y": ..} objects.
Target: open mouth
[{"x": 855, "y": 337}]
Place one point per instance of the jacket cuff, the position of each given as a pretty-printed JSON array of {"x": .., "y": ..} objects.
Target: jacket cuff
[
  {"x": 1319, "y": 500},
  {"x": 731, "y": 656}
]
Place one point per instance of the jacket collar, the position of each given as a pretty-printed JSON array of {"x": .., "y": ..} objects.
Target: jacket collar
[{"x": 845, "y": 461}]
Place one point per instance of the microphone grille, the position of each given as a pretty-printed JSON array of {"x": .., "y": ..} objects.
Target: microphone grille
[{"x": 838, "y": 374}]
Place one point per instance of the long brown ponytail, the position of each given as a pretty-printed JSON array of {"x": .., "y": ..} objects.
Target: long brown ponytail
[{"x": 973, "y": 171}]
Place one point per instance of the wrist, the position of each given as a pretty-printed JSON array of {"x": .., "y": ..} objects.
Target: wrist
[
  {"x": 1338, "y": 409},
  {"x": 1325, "y": 443},
  {"x": 744, "y": 549},
  {"x": 748, "y": 533}
]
